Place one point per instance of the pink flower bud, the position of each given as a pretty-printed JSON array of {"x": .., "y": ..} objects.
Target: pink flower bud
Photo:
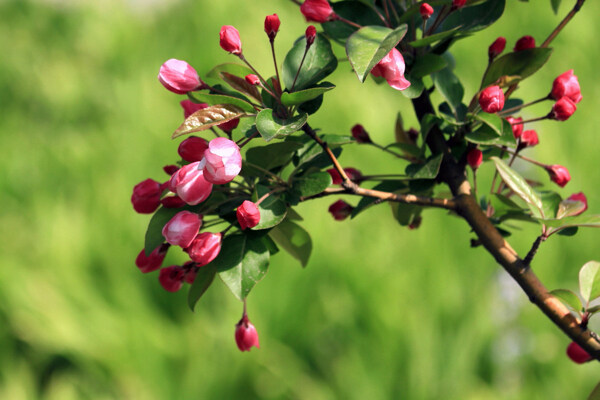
[
  {"x": 577, "y": 354},
  {"x": 360, "y": 134},
  {"x": 558, "y": 174},
  {"x": 182, "y": 228},
  {"x": 222, "y": 161},
  {"x": 352, "y": 173},
  {"x": 491, "y": 99},
  {"x": 272, "y": 26},
  {"x": 311, "y": 34},
  {"x": 154, "y": 260},
  {"x": 458, "y": 4},
  {"x": 190, "y": 184},
  {"x": 563, "y": 109},
  {"x": 252, "y": 79},
  {"x": 317, "y": 11},
  {"x": 172, "y": 202},
  {"x": 229, "y": 126},
  {"x": 340, "y": 210},
  {"x": 474, "y": 158},
  {"x": 566, "y": 84},
  {"x": 192, "y": 149},
  {"x": 426, "y": 11},
  {"x": 170, "y": 169},
  {"x": 178, "y": 76},
  {"x": 529, "y": 138},
  {"x": 171, "y": 278},
  {"x": 517, "y": 127},
  {"x": 245, "y": 335},
  {"x": 579, "y": 197},
  {"x": 497, "y": 47},
  {"x": 189, "y": 107},
  {"x": 204, "y": 248},
  {"x": 146, "y": 196},
  {"x": 248, "y": 215},
  {"x": 391, "y": 68},
  {"x": 524, "y": 43},
  {"x": 230, "y": 39}
]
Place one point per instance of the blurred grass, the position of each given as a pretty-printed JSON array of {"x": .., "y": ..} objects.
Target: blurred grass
[{"x": 380, "y": 312}]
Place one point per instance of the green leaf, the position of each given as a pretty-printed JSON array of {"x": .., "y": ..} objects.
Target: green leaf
[
  {"x": 302, "y": 96},
  {"x": 427, "y": 64},
  {"x": 154, "y": 237},
  {"x": 518, "y": 185},
  {"x": 272, "y": 155},
  {"x": 319, "y": 62},
  {"x": 589, "y": 281},
  {"x": 415, "y": 89},
  {"x": 569, "y": 298},
  {"x": 591, "y": 221},
  {"x": 405, "y": 214},
  {"x": 270, "y": 126},
  {"x": 337, "y": 140},
  {"x": 450, "y": 88},
  {"x": 555, "y": 5},
  {"x": 272, "y": 209},
  {"x": 408, "y": 149},
  {"x": 487, "y": 136},
  {"x": 429, "y": 170},
  {"x": 427, "y": 40},
  {"x": 232, "y": 68},
  {"x": 593, "y": 310},
  {"x": 595, "y": 395},
  {"x": 204, "y": 119},
  {"x": 204, "y": 278},
  {"x": 568, "y": 208},
  {"x": 293, "y": 239},
  {"x": 475, "y": 18},
  {"x": 311, "y": 184},
  {"x": 243, "y": 262},
  {"x": 493, "y": 121},
  {"x": 427, "y": 123},
  {"x": 521, "y": 63},
  {"x": 367, "y": 46},
  {"x": 360, "y": 14},
  {"x": 216, "y": 99},
  {"x": 550, "y": 202}
]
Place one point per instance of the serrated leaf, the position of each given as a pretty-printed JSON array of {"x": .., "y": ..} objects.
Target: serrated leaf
[
  {"x": 271, "y": 126},
  {"x": 311, "y": 184},
  {"x": 367, "y": 46},
  {"x": 429, "y": 170},
  {"x": 216, "y": 99},
  {"x": 520, "y": 186},
  {"x": 302, "y": 96},
  {"x": 450, "y": 88},
  {"x": 243, "y": 262},
  {"x": 293, "y": 239},
  {"x": 204, "y": 278},
  {"x": 520, "y": 63},
  {"x": 210, "y": 116},
  {"x": 569, "y": 298},
  {"x": 241, "y": 85},
  {"x": 320, "y": 61},
  {"x": 589, "y": 281}
]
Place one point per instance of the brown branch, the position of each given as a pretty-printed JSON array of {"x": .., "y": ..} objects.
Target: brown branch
[{"x": 313, "y": 135}]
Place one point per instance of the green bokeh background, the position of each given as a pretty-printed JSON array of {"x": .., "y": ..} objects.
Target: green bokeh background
[{"x": 380, "y": 312}]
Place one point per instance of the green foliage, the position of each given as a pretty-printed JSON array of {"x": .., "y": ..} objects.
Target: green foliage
[
  {"x": 270, "y": 126},
  {"x": 318, "y": 63},
  {"x": 207, "y": 118}
]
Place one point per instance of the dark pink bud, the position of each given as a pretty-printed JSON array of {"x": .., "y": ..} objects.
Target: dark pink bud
[
  {"x": 189, "y": 107},
  {"x": 563, "y": 109},
  {"x": 579, "y": 197},
  {"x": 204, "y": 248},
  {"x": 416, "y": 223},
  {"x": 192, "y": 149},
  {"x": 146, "y": 196},
  {"x": 182, "y": 228},
  {"x": 170, "y": 169},
  {"x": 529, "y": 138},
  {"x": 252, "y": 79},
  {"x": 246, "y": 336},
  {"x": 190, "y": 184},
  {"x": 391, "y": 68},
  {"x": 248, "y": 215},
  {"x": 426, "y": 10},
  {"x": 517, "y": 127},
  {"x": 272, "y": 26},
  {"x": 413, "y": 134},
  {"x": 191, "y": 270},
  {"x": 474, "y": 158},
  {"x": 566, "y": 84},
  {"x": 317, "y": 11},
  {"x": 526, "y": 42},
  {"x": 178, "y": 76},
  {"x": 559, "y": 174},
  {"x": 491, "y": 99},
  {"x": 154, "y": 260},
  {"x": 222, "y": 161},
  {"x": 353, "y": 174},
  {"x": 172, "y": 202},
  {"x": 577, "y": 354},
  {"x": 311, "y": 34},
  {"x": 171, "y": 278},
  {"x": 230, "y": 39},
  {"x": 229, "y": 126},
  {"x": 458, "y": 3},
  {"x": 340, "y": 210},
  {"x": 497, "y": 47},
  {"x": 360, "y": 134}
]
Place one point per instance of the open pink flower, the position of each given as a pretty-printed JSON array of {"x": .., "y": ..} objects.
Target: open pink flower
[
  {"x": 178, "y": 76},
  {"x": 391, "y": 68},
  {"x": 190, "y": 184},
  {"x": 222, "y": 161}
]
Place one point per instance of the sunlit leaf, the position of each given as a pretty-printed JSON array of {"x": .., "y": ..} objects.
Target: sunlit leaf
[
  {"x": 271, "y": 126},
  {"x": 520, "y": 63},
  {"x": 569, "y": 298},
  {"x": 302, "y": 96},
  {"x": 520, "y": 186},
  {"x": 204, "y": 119},
  {"x": 293, "y": 239},
  {"x": 589, "y": 281}
]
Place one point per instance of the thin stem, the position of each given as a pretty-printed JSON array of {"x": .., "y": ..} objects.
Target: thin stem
[
  {"x": 386, "y": 10},
  {"x": 299, "y": 68},
  {"x": 313, "y": 135},
  {"x": 247, "y": 140},
  {"x": 354, "y": 24},
  {"x": 534, "y": 248},
  {"x": 396, "y": 16},
  {"x": 266, "y": 171},
  {"x": 539, "y": 164},
  {"x": 241, "y": 56},
  {"x": 516, "y": 108},
  {"x": 475, "y": 182},
  {"x": 531, "y": 120},
  {"x": 380, "y": 15},
  {"x": 275, "y": 61},
  {"x": 264, "y": 196},
  {"x": 380, "y": 147},
  {"x": 563, "y": 23},
  {"x": 440, "y": 17}
]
